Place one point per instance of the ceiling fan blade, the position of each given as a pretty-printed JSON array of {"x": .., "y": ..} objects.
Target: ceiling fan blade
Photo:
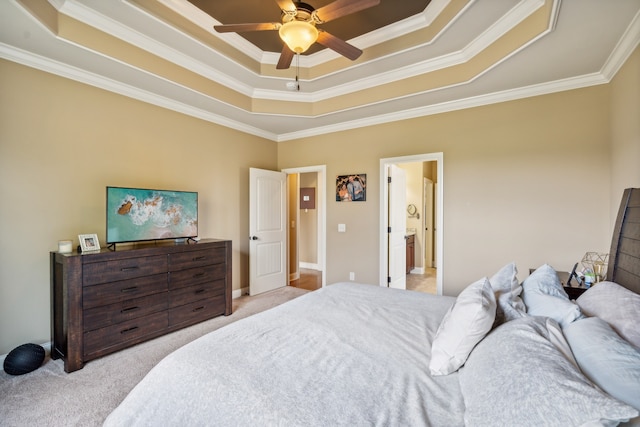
[
  {"x": 342, "y": 47},
  {"x": 286, "y": 5},
  {"x": 285, "y": 58},
  {"x": 343, "y": 7},
  {"x": 239, "y": 28}
]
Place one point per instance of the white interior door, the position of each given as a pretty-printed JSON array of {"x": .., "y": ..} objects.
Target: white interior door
[
  {"x": 267, "y": 230},
  {"x": 397, "y": 228}
]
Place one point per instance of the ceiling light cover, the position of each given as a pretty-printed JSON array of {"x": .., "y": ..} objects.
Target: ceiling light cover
[{"x": 298, "y": 35}]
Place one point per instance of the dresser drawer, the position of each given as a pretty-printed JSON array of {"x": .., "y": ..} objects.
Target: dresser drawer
[
  {"x": 109, "y": 293},
  {"x": 192, "y": 276},
  {"x": 105, "y": 339},
  {"x": 122, "y": 269},
  {"x": 126, "y": 310},
  {"x": 197, "y": 258},
  {"x": 196, "y": 311},
  {"x": 195, "y": 293}
]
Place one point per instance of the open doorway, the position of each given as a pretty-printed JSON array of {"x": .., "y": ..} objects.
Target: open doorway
[
  {"x": 423, "y": 210},
  {"x": 307, "y": 225}
]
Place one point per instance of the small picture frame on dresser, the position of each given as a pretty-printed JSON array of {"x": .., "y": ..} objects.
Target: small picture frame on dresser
[{"x": 89, "y": 242}]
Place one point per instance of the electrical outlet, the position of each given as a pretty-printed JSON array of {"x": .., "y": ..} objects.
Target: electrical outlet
[{"x": 352, "y": 276}]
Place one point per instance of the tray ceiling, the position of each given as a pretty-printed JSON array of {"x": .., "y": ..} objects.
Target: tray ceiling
[{"x": 421, "y": 59}]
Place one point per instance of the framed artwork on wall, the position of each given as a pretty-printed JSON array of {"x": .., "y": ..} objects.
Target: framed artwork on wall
[{"x": 351, "y": 188}]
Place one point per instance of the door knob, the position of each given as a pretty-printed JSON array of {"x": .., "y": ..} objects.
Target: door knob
[{"x": 254, "y": 237}]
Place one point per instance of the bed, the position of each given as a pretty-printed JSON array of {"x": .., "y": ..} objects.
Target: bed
[{"x": 501, "y": 353}]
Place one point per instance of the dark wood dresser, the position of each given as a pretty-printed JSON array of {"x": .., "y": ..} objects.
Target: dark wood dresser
[{"x": 109, "y": 300}]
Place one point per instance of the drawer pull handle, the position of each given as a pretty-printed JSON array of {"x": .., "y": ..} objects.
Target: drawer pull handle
[
  {"x": 133, "y": 328},
  {"x": 199, "y": 291},
  {"x": 125, "y": 269},
  {"x": 131, "y": 289},
  {"x": 198, "y": 275},
  {"x": 199, "y": 258},
  {"x": 125, "y": 310},
  {"x": 198, "y": 308}
]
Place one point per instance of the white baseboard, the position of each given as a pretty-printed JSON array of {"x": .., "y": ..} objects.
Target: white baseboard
[
  {"x": 239, "y": 292},
  {"x": 417, "y": 270},
  {"x": 309, "y": 266}
]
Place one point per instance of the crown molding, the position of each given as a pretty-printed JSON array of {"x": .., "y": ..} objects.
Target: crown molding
[
  {"x": 625, "y": 47},
  {"x": 445, "y": 107},
  {"x": 45, "y": 64},
  {"x": 73, "y": 73}
]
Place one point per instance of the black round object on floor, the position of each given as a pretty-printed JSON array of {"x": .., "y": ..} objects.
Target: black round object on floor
[{"x": 24, "y": 359}]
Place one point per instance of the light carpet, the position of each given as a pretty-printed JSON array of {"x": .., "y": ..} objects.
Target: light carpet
[{"x": 49, "y": 396}]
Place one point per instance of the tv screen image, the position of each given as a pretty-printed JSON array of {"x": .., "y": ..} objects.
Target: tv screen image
[{"x": 137, "y": 214}]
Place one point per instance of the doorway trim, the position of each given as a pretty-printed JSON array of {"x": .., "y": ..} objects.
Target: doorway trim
[
  {"x": 384, "y": 215},
  {"x": 321, "y": 170}
]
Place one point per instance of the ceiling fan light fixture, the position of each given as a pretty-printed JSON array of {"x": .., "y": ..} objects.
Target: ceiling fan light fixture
[{"x": 298, "y": 35}]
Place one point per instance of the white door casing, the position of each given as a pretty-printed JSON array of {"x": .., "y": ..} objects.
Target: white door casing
[
  {"x": 321, "y": 198},
  {"x": 438, "y": 214},
  {"x": 397, "y": 227},
  {"x": 267, "y": 230}
]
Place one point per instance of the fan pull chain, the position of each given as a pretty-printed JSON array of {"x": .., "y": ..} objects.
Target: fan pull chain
[{"x": 297, "y": 72}]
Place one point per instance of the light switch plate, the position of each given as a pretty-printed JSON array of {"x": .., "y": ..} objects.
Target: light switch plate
[{"x": 342, "y": 228}]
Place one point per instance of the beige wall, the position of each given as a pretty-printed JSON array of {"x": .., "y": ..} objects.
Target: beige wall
[
  {"x": 625, "y": 130},
  {"x": 528, "y": 181},
  {"x": 531, "y": 181},
  {"x": 62, "y": 143}
]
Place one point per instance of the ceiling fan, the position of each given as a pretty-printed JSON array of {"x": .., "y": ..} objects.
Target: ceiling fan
[{"x": 298, "y": 29}]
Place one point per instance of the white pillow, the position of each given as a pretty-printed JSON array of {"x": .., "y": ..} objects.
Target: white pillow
[
  {"x": 507, "y": 289},
  {"x": 617, "y": 306},
  {"x": 464, "y": 325},
  {"x": 518, "y": 376},
  {"x": 606, "y": 359},
  {"x": 543, "y": 295}
]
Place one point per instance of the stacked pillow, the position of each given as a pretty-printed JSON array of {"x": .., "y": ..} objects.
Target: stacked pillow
[
  {"x": 507, "y": 289},
  {"x": 609, "y": 361},
  {"x": 463, "y": 326},
  {"x": 617, "y": 306},
  {"x": 478, "y": 308},
  {"x": 521, "y": 375},
  {"x": 544, "y": 296},
  {"x": 543, "y": 363}
]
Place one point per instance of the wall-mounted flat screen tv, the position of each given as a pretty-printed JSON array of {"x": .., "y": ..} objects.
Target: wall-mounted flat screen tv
[{"x": 138, "y": 214}]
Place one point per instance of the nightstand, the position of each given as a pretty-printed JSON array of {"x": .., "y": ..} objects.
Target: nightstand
[{"x": 574, "y": 290}]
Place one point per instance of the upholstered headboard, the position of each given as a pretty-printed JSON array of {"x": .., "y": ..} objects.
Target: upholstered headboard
[{"x": 624, "y": 256}]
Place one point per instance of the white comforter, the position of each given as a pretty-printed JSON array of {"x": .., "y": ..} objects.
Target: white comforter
[{"x": 348, "y": 354}]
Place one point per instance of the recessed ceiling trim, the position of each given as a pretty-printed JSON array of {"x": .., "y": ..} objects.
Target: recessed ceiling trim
[
  {"x": 397, "y": 29},
  {"x": 107, "y": 25},
  {"x": 625, "y": 47},
  {"x": 48, "y": 65},
  {"x": 45, "y": 64},
  {"x": 25, "y": 40},
  {"x": 255, "y": 104},
  {"x": 122, "y": 32},
  {"x": 206, "y": 22}
]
